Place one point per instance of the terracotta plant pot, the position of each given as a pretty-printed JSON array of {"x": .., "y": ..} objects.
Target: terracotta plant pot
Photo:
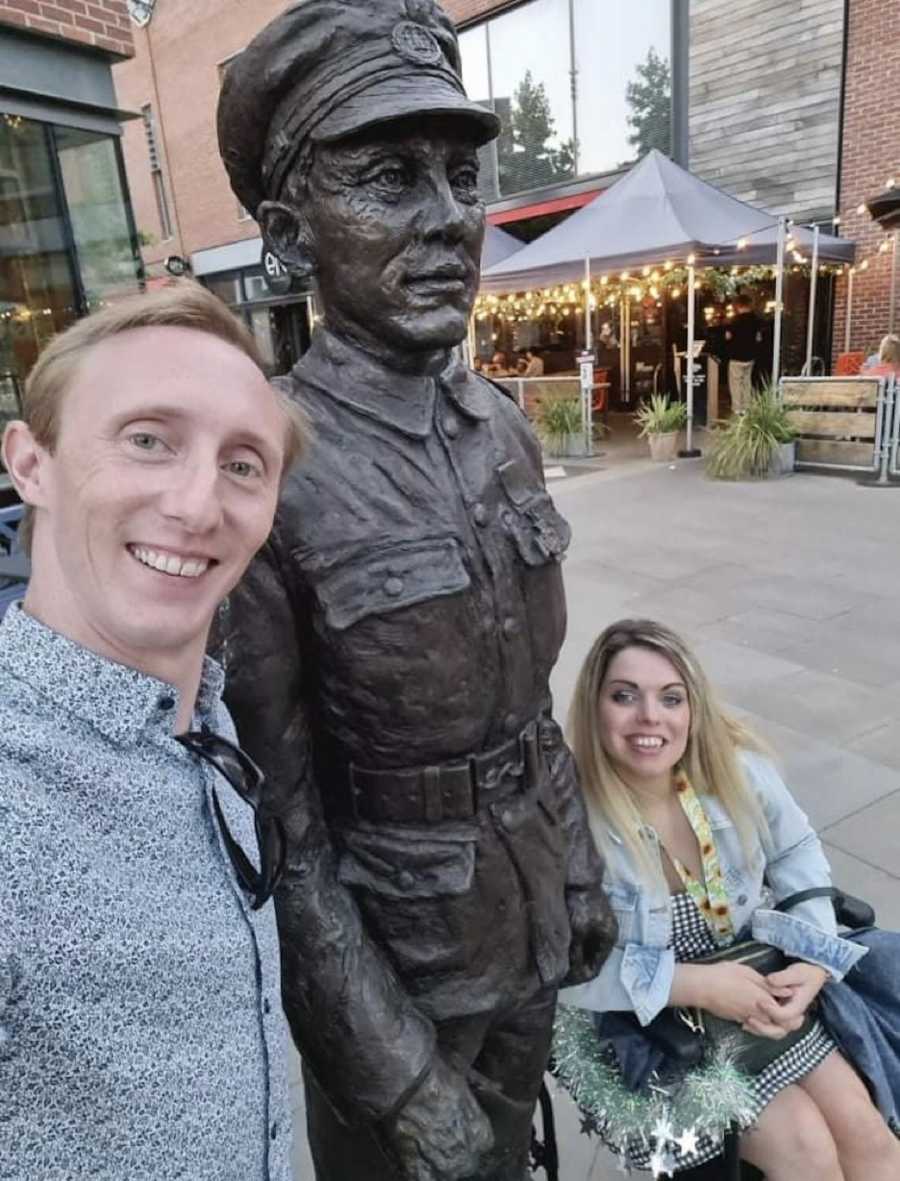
[{"x": 664, "y": 448}]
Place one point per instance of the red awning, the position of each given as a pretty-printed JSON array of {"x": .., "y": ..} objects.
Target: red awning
[{"x": 555, "y": 205}]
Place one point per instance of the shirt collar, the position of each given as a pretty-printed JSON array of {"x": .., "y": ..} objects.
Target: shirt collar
[
  {"x": 118, "y": 701},
  {"x": 357, "y": 379}
]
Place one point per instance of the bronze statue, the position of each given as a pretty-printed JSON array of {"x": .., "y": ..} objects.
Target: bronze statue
[{"x": 389, "y": 651}]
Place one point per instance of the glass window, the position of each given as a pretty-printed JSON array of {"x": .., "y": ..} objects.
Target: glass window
[
  {"x": 624, "y": 81},
  {"x": 530, "y": 58},
  {"x": 226, "y": 285},
  {"x": 37, "y": 292},
  {"x": 98, "y": 212}
]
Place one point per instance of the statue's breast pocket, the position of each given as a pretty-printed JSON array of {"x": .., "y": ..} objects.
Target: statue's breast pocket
[{"x": 382, "y": 580}]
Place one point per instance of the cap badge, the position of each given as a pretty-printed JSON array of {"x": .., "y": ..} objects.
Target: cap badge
[
  {"x": 416, "y": 44},
  {"x": 421, "y": 11}
]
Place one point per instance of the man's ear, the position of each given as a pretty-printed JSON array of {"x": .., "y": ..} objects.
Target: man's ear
[
  {"x": 25, "y": 461},
  {"x": 287, "y": 234}
]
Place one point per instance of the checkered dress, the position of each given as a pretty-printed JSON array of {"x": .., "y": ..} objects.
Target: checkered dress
[{"x": 691, "y": 938}]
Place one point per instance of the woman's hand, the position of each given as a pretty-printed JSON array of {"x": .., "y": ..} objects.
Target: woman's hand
[
  {"x": 739, "y": 993},
  {"x": 731, "y": 991},
  {"x": 795, "y": 988}
]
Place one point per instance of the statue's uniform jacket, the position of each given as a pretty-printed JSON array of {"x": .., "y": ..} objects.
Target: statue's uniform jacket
[{"x": 407, "y": 611}]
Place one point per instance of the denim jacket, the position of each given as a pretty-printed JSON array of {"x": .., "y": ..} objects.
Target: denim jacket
[{"x": 639, "y": 972}]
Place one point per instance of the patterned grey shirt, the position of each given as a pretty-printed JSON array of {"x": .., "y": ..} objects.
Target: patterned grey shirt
[{"x": 141, "y": 1035}]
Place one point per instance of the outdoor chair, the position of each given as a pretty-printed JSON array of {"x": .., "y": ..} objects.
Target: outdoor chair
[{"x": 14, "y": 565}]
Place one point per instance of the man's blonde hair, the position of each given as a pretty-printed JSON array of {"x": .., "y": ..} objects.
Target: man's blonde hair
[
  {"x": 181, "y": 304},
  {"x": 710, "y": 759}
]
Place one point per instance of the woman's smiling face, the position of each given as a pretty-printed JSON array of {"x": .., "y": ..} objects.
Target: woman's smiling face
[{"x": 644, "y": 716}]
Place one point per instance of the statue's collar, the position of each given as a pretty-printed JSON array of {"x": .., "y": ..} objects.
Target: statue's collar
[
  {"x": 401, "y": 400},
  {"x": 356, "y": 379}
]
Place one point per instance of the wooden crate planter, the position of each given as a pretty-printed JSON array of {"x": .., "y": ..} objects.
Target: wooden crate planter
[{"x": 835, "y": 419}]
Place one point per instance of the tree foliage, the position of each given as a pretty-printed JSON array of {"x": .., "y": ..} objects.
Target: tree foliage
[
  {"x": 649, "y": 97},
  {"x": 527, "y": 153}
]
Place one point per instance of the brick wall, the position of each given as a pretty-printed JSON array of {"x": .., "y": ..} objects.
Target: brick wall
[
  {"x": 188, "y": 43},
  {"x": 871, "y": 155},
  {"x": 103, "y": 24},
  {"x": 462, "y": 11}
]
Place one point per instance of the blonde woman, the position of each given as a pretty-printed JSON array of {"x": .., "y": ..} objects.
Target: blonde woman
[
  {"x": 888, "y": 362},
  {"x": 699, "y": 833}
]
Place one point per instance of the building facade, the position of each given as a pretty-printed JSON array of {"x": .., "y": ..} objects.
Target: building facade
[
  {"x": 184, "y": 207},
  {"x": 67, "y": 237},
  {"x": 745, "y": 92}
]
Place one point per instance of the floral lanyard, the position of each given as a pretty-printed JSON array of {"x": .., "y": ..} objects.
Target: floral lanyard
[{"x": 712, "y": 897}]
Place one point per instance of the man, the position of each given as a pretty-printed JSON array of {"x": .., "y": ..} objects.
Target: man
[
  {"x": 743, "y": 336},
  {"x": 389, "y": 650},
  {"x": 140, "y": 1026}
]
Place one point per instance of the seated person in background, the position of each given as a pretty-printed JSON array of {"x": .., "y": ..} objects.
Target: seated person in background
[
  {"x": 534, "y": 365},
  {"x": 478, "y": 364},
  {"x": 887, "y": 363},
  {"x": 699, "y": 832},
  {"x": 141, "y": 1030},
  {"x": 606, "y": 338},
  {"x": 499, "y": 366}
]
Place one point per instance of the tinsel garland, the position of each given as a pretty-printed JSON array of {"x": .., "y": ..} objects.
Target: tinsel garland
[{"x": 705, "y": 1101}]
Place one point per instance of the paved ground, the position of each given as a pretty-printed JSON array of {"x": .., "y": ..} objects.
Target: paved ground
[{"x": 789, "y": 590}]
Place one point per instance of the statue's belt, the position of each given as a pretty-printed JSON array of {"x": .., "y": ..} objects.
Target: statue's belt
[{"x": 447, "y": 791}]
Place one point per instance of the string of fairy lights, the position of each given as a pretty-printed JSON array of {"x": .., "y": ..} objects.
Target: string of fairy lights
[{"x": 670, "y": 279}]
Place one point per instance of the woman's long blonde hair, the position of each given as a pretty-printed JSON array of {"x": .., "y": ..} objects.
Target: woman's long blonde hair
[{"x": 710, "y": 759}]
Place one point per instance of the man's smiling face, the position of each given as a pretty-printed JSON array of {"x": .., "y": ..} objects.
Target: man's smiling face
[
  {"x": 396, "y": 229},
  {"x": 161, "y": 487}
]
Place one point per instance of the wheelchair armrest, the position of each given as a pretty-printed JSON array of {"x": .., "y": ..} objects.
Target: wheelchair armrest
[{"x": 853, "y": 912}]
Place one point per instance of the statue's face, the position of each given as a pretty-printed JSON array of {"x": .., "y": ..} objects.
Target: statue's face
[{"x": 396, "y": 228}]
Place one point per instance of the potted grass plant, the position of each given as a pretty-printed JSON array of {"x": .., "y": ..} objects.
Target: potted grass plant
[
  {"x": 755, "y": 444},
  {"x": 661, "y": 421},
  {"x": 560, "y": 426}
]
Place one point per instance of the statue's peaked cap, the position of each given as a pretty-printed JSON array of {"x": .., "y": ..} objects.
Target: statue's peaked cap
[{"x": 325, "y": 69}]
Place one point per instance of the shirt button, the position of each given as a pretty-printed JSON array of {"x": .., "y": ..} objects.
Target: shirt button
[
  {"x": 166, "y": 703},
  {"x": 451, "y": 427},
  {"x": 510, "y": 627},
  {"x": 506, "y": 818},
  {"x": 510, "y": 724},
  {"x": 267, "y": 1006},
  {"x": 393, "y": 587},
  {"x": 274, "y": 1131},
  {"x": 480, "y": 515},
  {"x": 742, "y": 900},
  {"x": 405, "y": 880}
]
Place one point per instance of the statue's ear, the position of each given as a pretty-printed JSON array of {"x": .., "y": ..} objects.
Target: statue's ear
[{"x": 287, "y": 234}]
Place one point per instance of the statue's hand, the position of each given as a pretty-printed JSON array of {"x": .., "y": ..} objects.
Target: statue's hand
[
  {"x": 593, "y": 927},
  {"x": 441, "y": 1131}
]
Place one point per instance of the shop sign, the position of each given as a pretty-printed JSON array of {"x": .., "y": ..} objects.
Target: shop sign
[
  {"x": 586, "y": 369},
  {"x": 277, "y": 276}
]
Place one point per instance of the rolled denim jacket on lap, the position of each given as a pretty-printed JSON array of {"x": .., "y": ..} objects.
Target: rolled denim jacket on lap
[{"x": 638, "y": 974}]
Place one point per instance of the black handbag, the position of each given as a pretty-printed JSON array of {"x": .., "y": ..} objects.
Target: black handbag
[{"x": 686, "y": 1035}]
